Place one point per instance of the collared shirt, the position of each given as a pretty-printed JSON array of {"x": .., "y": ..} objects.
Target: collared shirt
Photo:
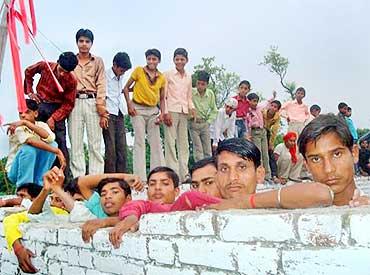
[
  {"x": 296, "y": 112},
  {"x": 146, "y": 93},
  {"x": 254, "y": 118},
  {"x": 272, "y": 124},
  {"x": 243, "y": 107},
  {"x": 20, "y": 136},
  {"x": 115, "y": 99},
  {"x": 178, "y": 92},
  {"x": 223, "y": 122},
  {"x": 91, "y": 78},
  {"x": 95, "y": 206},
  {"x": 205, "y": 105},
  {"x": 47, "y": 89}
]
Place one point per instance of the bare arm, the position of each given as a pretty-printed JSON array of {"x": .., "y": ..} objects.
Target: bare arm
[
  {"x": 38, "y": 202},
  {"x": 88, "y": 183},
  {"x": 90, "y": 227},
  {"x": 10, "y": 202},
  {"x": 38, "y": 130},
  {"x": 126, "y": 91},
  {"x": 291, "y": 197},
  {"x": 128, "y": 224}
]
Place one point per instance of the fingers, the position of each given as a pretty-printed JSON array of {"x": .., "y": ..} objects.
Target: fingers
[{"x": 115, "y": 237}]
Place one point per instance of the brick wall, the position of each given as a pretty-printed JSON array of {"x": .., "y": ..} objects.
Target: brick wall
[{"x": 316, "y": 241}]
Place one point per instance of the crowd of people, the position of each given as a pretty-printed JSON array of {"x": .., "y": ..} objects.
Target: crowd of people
[{"x": 234, "y": 147}]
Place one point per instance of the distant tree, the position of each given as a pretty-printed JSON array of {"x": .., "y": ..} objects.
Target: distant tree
[
  {"x": 278, "y": 64},
  {"x": 6, "y": 187},
  {"x": 362, "y": 131},
  {"x": 222, "y": 82}
]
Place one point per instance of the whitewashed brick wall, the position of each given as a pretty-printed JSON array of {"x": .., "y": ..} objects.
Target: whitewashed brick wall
[{"x": 333, "y": 240}]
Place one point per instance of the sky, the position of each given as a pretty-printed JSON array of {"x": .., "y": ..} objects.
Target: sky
[{"x": 327, "y": 42}]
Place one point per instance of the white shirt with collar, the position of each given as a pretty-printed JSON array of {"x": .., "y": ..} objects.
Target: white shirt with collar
[
  {"x": 222, "y": 123},
  {"x": 115, "y": 100}
]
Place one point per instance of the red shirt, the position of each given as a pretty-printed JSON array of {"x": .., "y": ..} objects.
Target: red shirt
[
  {"x": 48, "y": 91},
  {"x": 243, "y": 107}
]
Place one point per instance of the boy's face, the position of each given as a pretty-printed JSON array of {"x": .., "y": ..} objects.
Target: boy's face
[
  {"x": 237, "y": 177},
  {"x": 56, "y": 201},
  {"x": 29, "y": 115},
  {"x": 299, "y": 95},
  {"x": 243, "y": 90},
  {"x": 201, "y": 85},
  {"x": 343, "y": 110},
  {"x": 180, "y": 62},
  {"x": 364, "y": 144},
  {"x": 61, "y": 72},
  {"x": 152, "y": 62},
  {"x": 161, "y": 188},
  {"x": 253, "y": 103},
  {"x": 84, "y": 44},
  {"x": 274, "y": 108},
  {"x": 112, "y": 197},
  {"x": 348, "y": 113},
  {"x": 118, "y": 71},
  {"x": 23, "y": 193},
  {"x": 331, "y": 162},
  {"x": 204, "y": 180},
  {"x": 315, "y": 112},
  {"x": 229, "y": 110}
]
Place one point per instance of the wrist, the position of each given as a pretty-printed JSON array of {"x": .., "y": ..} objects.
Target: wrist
[{"x": 17, "y": 247}]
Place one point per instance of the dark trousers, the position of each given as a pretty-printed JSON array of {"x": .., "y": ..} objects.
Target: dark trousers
[
  {"x": 272, "y": 161},
  {"x": 45, "y": 112},
  {"x": 115, "y": 145}
]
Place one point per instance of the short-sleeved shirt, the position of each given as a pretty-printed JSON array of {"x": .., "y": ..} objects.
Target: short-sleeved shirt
[
  {"x": 146, "y": 93},
  {"x": 95, "y": 207},
  {"x": 20, "y": 136}
]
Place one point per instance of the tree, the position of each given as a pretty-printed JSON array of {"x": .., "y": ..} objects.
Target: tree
[
  {"x": 278, "y": 64},
  {"x": 222, "y": 82}
]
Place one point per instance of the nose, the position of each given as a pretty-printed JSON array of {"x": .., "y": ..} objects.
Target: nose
[
  {"x": 202, "y": 188},
  {"x": 233, "y": 174},
  {"x": 328, "y": 166}
]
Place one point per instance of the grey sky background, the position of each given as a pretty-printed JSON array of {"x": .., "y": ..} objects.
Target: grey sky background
[{"x": 327, "y": 42}]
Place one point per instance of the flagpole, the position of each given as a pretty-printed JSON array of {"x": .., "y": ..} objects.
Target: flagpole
[{"x": 3, "y": 33}]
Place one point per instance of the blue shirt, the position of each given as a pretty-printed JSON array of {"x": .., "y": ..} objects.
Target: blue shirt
[
  {"x": 95, "y": 207},
  {"x": 352, "y": 128}
]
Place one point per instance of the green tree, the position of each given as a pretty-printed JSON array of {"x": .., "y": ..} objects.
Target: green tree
[
  {"x": 278, "y": 65},
  {"x": 362, "y": 131},
  {"x": 222, "y": 82},
  {"x": 6, "y": 187}
]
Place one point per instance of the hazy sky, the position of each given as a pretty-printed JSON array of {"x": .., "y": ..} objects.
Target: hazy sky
[{"x": 327, "y": 42}]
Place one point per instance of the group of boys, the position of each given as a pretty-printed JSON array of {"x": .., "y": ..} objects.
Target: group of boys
[{"x": 226, "y": 181}]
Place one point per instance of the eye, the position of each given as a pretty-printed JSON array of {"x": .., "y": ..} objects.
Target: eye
[
  {"x": 242, "y": 167},
  {"x": 209, "y": 182},
  {"x": 315, "y": 159},
  {"x": 223, "y": 169},
  {"x": 337, "y": 154},
  {"x": 194, "y": 186}
]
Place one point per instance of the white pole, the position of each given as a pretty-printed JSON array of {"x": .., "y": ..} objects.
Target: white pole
[{"x": 3, "y": 34}]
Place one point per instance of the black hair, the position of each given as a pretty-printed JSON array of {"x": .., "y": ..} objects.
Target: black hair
[
  {"x": 122, "y": 183},
  {"x": 181, "y": 51},
  {"x": 202, "y": 163},
  {"x": 342, "y": 105},
  {"x": 315, "y": 107},
  {"x": 245, "y": 82},
  {"x": 241, "y": 147},
  {"x": 253, "y": 96},
  {"x": 202, "y": 76},
  {"x": 170, "y": 173},
  {"x": 33, "y": 189},
  {"x": 122, "y": 60},
  {"x": 68, "y": 61},
  {"x": 301, "y": 89},
  {"x": 349, "y": 108},
  {"x": 72, "y": 187},
  {"x": 277, "y": 102},
  {"x": 322, "y": 125},
  {"x": 32, "y": 105},
  {"x": 85, "y": 33},
  {"x": 154, "y": 52}
]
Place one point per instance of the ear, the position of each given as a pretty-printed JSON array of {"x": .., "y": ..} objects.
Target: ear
[
  {"x": 36, "y": 113},
  {"x": 260, "y": 174},
  {"x": 355, "y": 153},
  {"x": 128, "y": 198},
  {"x": 177, "y": 191}
]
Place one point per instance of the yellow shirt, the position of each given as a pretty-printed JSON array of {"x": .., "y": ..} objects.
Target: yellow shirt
[
  {"x": 12, "y": 222},
  {"x": 146, "y": 93}
]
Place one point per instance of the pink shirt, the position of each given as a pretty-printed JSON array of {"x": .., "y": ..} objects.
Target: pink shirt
[
  {"x": 188, "y": 201},
  {"x": 178, "y": 92},
  {"x": 296, "y": 112},
  {"x": 254, "y": 117}
]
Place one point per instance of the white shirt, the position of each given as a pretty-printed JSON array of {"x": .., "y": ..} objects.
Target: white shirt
[
  {"x": 20, "y": 136},
  {"x": 222, "y": 123},
  {"x": 115, "y": 100}
]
